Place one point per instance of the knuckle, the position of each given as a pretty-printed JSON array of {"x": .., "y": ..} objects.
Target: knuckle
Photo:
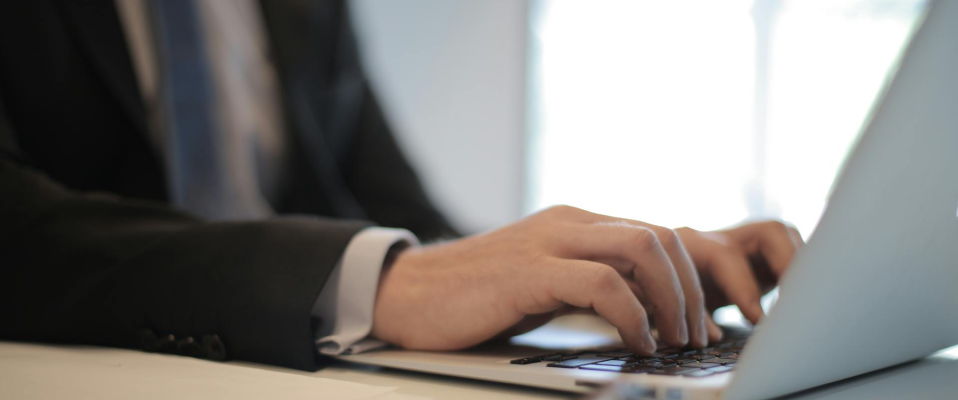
[
  {"x": 561, "y": 209},
  {"x": 680, "y": 297},
  {"x": 638, "y": 314},
  {"x": 537, "y": 260},
  {"x": 680, "y": 312},
  {"x": 605, "y": 279},
  {"x": 695, "y": 297},
  {"x": 668, "y": 238},
  {"x": 777, "y": 226},
  {"x": 644, "y": 239},
  {"x": 727, "y": 253}
]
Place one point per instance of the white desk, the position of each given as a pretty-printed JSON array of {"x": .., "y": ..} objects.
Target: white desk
[
  {"x": 427, "y": 385},
  {"x": 40, "y": 371},
  {"x": 931, "y": 378}
]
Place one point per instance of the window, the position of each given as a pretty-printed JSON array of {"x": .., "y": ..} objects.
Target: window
[{"x": 702, "y": 113}]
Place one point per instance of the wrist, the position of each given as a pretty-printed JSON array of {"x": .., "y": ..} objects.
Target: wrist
[{"x": 385, "y": 304}]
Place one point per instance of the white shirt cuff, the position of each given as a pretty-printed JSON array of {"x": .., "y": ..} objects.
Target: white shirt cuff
[{"x": 346, "y": 302}]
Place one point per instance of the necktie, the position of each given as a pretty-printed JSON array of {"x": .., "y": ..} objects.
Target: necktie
[{"x": 199, "y": 176}]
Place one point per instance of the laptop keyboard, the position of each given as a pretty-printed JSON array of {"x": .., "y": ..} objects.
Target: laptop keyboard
[{"x": 692, "y": 363}]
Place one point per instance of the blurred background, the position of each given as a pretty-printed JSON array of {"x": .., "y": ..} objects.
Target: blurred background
[{"x": 679, "y": 113}]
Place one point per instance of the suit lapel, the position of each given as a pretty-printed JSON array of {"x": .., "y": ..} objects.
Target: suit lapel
[
  {"x": 303, "y": 37},
  {"x": 301, "y": 33},
  {"x": 100, "y": 35}
]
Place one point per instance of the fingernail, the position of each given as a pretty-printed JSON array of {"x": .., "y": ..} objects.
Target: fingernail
[
  {"x": 700, "y": 333},
  {"x": 684, "y": 334},
  {"x": 648, "y": 343},
  {"x": 714, "y": 331}
]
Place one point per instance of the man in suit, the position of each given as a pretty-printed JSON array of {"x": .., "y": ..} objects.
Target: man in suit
[{"x": 216, "y": 179}]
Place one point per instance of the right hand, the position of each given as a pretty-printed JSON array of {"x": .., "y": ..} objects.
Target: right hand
[{"x": 460, "y": 293}]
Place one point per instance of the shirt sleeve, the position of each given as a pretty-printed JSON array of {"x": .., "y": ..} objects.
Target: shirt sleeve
[{"x": 346, "y": 302}]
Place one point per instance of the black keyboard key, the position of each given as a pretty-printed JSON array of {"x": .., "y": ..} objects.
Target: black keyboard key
[
  {"x": 616, "y": 354},
  {"x": 641, "y": 359},
  {"x": 576, "y": 362},
  {"x": 725, "y": 353},
  {"x": 659, "y": 364},
  {"x": 723, "y": 361},
  {"x": 662, "y": 355},
  {"x": 543, "y": 357},
  {"x": 674, "y": 371},
  {"x": 719, "y": 353},
  {"x": 686, "y": 355},
  {"x": 702, "y": 365}
]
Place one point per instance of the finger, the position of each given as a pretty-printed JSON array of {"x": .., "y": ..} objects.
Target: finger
[
  {"x": 715, "y": 332},
  {"x": 777, "y": 246},
  {"x": 590, "y": 284},
  {"x": 648, "y": 265},
  {"x": 695, "y": 310},
  {"x": 734, "y": 276},
  {"x": 774, "y": 241},
  {"x": 637, "y": 291}
]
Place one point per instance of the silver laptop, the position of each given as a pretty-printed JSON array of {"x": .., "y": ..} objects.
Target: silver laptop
[{"x": 876, "y": 285}]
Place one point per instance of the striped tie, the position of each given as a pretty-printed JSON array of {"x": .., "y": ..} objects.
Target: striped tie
[{"x": 198, "y": 174}]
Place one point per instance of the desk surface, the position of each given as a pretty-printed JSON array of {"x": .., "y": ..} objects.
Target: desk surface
[{"x": 933, "y": 377}]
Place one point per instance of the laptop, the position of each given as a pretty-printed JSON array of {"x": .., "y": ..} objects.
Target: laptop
[{"x": 875, "y": 286}]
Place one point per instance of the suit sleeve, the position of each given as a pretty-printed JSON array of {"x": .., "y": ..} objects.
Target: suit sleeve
[
  {"x": 93, "y": 268},
  {"x": 96, "y": 269}
]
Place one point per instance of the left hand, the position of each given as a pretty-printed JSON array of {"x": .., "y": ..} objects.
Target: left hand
[{"x": 739, "y": 265}]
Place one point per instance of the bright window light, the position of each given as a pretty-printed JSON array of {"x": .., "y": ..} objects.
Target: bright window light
[{"x": 703, "y": 113}]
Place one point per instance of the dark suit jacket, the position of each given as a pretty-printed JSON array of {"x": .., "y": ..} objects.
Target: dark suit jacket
[{"x": 90, "y": 251}]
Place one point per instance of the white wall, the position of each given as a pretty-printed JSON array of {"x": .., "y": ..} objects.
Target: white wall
[{"x": 451, "y": 75}]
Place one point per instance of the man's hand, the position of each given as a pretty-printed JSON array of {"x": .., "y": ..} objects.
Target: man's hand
[
  {"x": 457, "y": 294},
  {"x": 739, "y": 265}
]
